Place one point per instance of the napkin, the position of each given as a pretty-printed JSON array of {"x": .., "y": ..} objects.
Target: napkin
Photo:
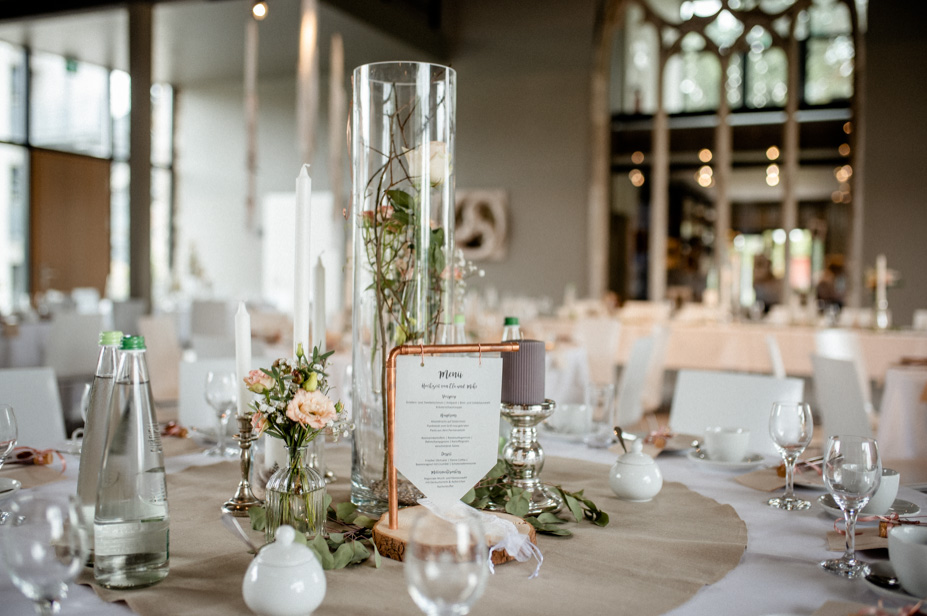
[{"x": 866, "y": 539}]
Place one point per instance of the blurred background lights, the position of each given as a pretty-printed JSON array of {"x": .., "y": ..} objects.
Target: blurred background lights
[
  {"x": 704, "y": 155},
  {"x": 772, "y": 152}
]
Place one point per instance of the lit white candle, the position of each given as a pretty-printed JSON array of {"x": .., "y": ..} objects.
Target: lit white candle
[
  {"x": 881, "y": 279},
  {"x": 242, "y": 355},
  {"x": 318, "y": 306},
  {"x": 302, "y": 289}
]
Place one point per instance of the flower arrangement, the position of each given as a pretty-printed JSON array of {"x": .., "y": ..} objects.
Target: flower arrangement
[{"x": 293, "y": 402}]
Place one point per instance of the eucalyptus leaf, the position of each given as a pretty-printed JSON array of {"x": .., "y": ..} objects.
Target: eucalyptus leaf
[
  {"x": 361, "y": 553},
  {"x": 343, "y": 556},
  {"x": 320, "y": 547},
  {"x": 336, "y": 537},
  {"x": 400, "y": 199},
  {"x": 550, "y": 518},
  {"x": 346, "y": 510},
  {"x": 364, "y": 521},
  {"x": 377, "y": 559},
  {"x": 258, "y": 517}
]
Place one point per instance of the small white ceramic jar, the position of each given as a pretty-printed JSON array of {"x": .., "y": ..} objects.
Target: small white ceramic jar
[
  {"x": 635, "y": 476},
  {"x": 284, "y": 579}
]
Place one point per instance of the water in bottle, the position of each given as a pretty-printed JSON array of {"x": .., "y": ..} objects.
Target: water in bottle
[
  {"x": 131, "y": 522},
  {"x": 96, "y": 429}
]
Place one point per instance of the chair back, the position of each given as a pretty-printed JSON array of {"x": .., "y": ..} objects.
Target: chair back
[
  {"x": 192, "y": 409},
  {"x": 919, "y": 321},
  {"x": 126, "y": 314},
  {"x": 844, "y": 344},
  {"x": 211, "y": 318},
  {"x": 74, "y": 344},
  {"x": 600, "y": 337},
  {"x": 703, "y": 399},
  {"x": 33, "y": 394},
  {"x": 839, "y": 397},
  {"x": 775, "y": 357},
  {"x": 164, "y": 355},
  {"x": 652, "y": 397},
  {"x": 632, "y": 381}
]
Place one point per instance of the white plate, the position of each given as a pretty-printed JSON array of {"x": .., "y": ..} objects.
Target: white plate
[
  {"x": 9, "y": 487},
  {"x": 898, "y": 594},
  {"x": 751, "y": 461},
  {"x": 901, "y": 507}
]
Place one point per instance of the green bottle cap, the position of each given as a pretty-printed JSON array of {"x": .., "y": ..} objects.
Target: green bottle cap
[
  {"x": 110, "y": 338},
  {"x": 133, "y": 343},
  {"x": 459, "y": 319},
  {"x": 511, "y": 320}
]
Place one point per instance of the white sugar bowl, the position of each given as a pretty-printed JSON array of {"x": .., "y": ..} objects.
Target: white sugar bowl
[
  {"x": 284, "y": 579},
  {"x": 635, "y": 476}
]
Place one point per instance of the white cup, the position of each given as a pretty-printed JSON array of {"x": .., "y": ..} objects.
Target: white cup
[
  {"x": 885, "y": 495},
  {"x": 727, "y": 444},
  {"x": 907, "y": 549}
]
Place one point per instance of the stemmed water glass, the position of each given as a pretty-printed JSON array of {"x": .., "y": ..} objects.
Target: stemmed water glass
[
  {"x": 222, "y": 395},
  {"x": 8, "y": 432},
  {"x": 790, "y": 426},
  {"x": 446, "y": 564},
  {"x": 43, "y": 548},
  {"x": 600, "y": 402},
  {"x": 852, "y": 472}
]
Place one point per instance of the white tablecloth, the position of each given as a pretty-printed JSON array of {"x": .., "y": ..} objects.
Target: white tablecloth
[
  {"x": 903, "y": 413},
  {"x": 779, "y": 572}
]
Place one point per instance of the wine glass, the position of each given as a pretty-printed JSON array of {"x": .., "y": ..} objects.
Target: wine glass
[
  {"x": 790, "y": 426},
  {"x": 43, "y": 548},
  {"x": 8, "y": 432},
  {"x": 600, "y": 399},
  {"x": 446, "y": 564},
  {"x": 852, "y": 472},
  {"x": 222, "y": 395}
]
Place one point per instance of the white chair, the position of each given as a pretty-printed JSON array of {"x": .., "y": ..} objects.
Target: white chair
[
  {"x": 703, "y": 399},
  {"x": 33, "y": 394},
  {"x": 919, "y": 322},
  {"x": 631, "y": 383},
  {"x": 652, "y": 396},
  {"x": 211, "y": 318},
  {"x": 840, "y": 400},
  {"x": 74, "y": 344},
  {"x": 126, "y": 315},
  {"x": 775, "y": 357},
  {"x": 164, "y": 355},
  {"x": 600, "y": 337},
  {"x": 844, "y": 344},
  {"x": 192, "y": 409}
]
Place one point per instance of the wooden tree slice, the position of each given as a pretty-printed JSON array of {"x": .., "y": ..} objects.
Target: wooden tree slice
[{"x": 392, "y": 543}]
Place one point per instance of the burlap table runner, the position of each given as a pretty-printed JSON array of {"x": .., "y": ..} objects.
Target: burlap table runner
[
  {"x": 652, "y": 557},
  {"x": 34, "y": 475}
]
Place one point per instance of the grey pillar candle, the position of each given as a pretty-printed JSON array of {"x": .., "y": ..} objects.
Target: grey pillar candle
[{"x": 523, "y": 374}]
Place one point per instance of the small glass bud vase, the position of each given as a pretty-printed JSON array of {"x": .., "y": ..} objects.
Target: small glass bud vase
[{"x": 295, "y": 496}]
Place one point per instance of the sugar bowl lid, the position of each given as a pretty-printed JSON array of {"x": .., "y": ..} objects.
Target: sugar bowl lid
[
  {"x": 636, "y": 457},
  {"x": 284, "y": 552}
]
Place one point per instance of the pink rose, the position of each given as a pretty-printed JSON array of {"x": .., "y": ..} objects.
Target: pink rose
[
  {"x": 312, "y": 408},
  {"x": 259, "y": 423},
  {"x": 258, "y": 382}
]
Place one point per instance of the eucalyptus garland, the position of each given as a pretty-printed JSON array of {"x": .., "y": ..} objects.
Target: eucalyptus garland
[
  {"x": 496, "y": 492},
  {"x": 352, "y": 542}
]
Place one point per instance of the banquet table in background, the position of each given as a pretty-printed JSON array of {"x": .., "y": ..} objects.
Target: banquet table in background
[
  {"x": 596, "y": 571},
  {"x": 742, "y": 346}
]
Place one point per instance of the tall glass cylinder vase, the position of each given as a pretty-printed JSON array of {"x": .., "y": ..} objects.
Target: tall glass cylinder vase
[{"x": 403, "y": 128}]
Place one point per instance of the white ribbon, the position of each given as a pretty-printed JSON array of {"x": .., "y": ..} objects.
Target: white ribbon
[{"x": 516, "y": 544}]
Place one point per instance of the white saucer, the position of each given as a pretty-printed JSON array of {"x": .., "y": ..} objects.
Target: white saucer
[
  {"x": 9, "y": 487},
  {"x": 898, "y": 594},
  {"x": 901, "y": 507},
  {"x": 751, "y": 461}
]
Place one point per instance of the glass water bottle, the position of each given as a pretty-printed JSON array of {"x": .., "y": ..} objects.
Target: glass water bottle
[
  {"x": 96, "y": 429},
  {"x": 131, "y": 522}
]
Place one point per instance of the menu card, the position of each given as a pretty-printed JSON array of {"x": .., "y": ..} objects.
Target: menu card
[{"x": 447, "y": 422}]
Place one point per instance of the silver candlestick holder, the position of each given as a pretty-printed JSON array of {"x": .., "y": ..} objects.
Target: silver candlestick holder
[
  {"x": 244, "y": 499},
  {"x": 524, "y": 456}
]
